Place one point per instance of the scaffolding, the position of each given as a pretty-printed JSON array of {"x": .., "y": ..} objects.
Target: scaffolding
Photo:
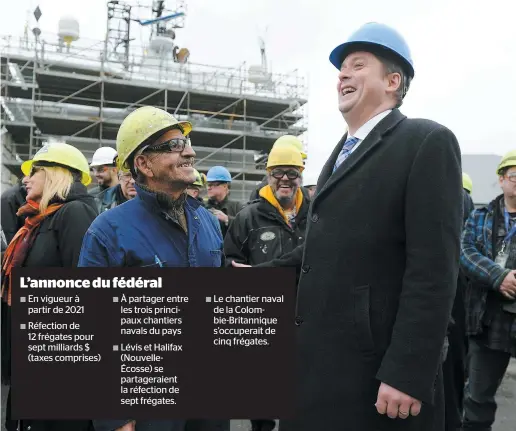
[{"x": 82, "y": 95}]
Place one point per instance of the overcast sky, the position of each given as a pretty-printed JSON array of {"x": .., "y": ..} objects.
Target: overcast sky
[{"x": 464, "y": 53}]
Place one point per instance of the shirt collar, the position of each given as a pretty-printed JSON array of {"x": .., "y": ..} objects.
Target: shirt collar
[
  {"x": 150, "y": 199},
  {"x": 363, "y": 131}
]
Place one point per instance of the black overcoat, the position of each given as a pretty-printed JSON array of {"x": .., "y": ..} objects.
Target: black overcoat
[{"x": 378, "y": 278}]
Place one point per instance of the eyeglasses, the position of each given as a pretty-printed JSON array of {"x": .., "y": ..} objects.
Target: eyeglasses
[
  {"x": 125, "y": 177},
  {"x": 512, "y": 177},
  {"x": 174, "y": 145},
  {"x": 292, "y": 174}
]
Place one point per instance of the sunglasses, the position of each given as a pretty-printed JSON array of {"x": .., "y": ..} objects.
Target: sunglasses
[
  {"x": 291, "y": 174},
  {"x": 174, "y": 145},
  {"x": 33, "y": 170}
]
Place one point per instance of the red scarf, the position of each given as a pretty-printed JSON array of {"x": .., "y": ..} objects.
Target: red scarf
[{"x": 20, "y": 245}]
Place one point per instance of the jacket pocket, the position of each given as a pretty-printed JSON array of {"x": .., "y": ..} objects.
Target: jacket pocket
[{"x": 361, "y": 319}]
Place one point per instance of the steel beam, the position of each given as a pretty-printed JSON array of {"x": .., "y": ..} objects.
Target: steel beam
[
  {"x": 81, "y": 90},
  {"x": 226, "y": 108},
  {"x": 180, "y": 102},
  {"x": 221, "y": 148},
  {"x": 129, "y": 106},
  {"x": 276, "y": 116}
]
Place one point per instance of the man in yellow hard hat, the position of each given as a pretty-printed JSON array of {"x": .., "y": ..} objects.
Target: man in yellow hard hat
[
  {"x": 162, "y": 226},
  {"x": 194, "y": 189},
  {"x": 285, "y": 141},
  {"x": 488, "y": 258},
  {"x": 118, "y": 194},
  {"x": 272, "y": 225},
  {"x": 467, "y": 183},
  {"x": 290, "y": 140}
]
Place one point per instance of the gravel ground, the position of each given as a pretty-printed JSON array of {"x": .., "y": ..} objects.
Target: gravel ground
[{"x": 506, "y": 415}]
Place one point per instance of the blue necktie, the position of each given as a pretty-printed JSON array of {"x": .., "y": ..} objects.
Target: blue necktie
[{"x": 345, "y": 152}]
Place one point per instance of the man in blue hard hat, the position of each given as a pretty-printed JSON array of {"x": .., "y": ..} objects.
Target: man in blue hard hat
[
  {"x": 218, "y": 185},
  {"x": 379, "y": 266}
]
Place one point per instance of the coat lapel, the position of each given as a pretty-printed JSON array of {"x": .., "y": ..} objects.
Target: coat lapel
[{"x": 327, "y": 180}]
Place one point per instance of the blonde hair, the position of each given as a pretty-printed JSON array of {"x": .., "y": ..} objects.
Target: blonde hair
[{"x": 58, "y": 182}]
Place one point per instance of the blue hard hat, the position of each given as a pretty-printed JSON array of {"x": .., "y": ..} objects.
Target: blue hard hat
[
  {"x": 218, "y": 173},
  {"x": 375, "y": 35}
]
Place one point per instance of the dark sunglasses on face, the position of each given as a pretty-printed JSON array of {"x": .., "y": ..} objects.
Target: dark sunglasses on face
[
  {"x": 174, "y": 145},
  {"x": 33, "y": 170},
  {"x": 292, "y": 174}
]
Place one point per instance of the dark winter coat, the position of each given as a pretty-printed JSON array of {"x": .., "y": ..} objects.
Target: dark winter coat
[
  {"x": 228, "y": 207},
  {"x": 259, "y": 233},
  {"x": 58, "y": 244},
  {"x": 110, "y": 198},
  {"x": 378, "y": 279},
  {"x": 60, "y": 236},
  {"x": 11, "y": 201}
]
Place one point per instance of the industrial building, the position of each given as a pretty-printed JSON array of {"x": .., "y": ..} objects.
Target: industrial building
[{"x": 63, "y": 87}]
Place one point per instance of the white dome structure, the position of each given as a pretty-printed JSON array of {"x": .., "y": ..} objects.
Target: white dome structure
[{"x": 68, "y": 29}]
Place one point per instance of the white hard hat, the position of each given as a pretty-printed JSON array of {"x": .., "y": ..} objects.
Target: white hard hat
[{"x": 103, "y": 156}]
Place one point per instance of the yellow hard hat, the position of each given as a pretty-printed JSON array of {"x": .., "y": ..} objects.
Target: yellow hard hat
[
  {"x": 466, "y": 182},
  {"x": 122, "y": 169},
  {"x": 290, "y": 140},
  {"x": 285, "y": 156},
  {"x": 142, "y": 124},
  {"x": 199, "y": 181},
  {"x": 60, "y": 154},
  {"x": 508, "y": 160}
]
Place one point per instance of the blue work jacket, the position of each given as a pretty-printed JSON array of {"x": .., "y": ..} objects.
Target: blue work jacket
[{"x": 139, "y": 233}]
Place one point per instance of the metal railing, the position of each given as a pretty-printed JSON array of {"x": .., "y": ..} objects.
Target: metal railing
[{"x": 143, "y": 67}]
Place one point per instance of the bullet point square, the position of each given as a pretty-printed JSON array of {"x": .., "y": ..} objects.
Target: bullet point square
[
  {"x": 115, "y": 348},
  {"x": 23, "y": 326},
  {"x": 115, "y": 298},
  {"x": 23, "y": 299},
  {"x": 208, "y": 299}
]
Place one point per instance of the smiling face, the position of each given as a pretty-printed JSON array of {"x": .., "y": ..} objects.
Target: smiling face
[
  {"x": 283, "y": 187},
  {"x": 106, "y": 175},
  {"x": 168, "y": 162},
  {"x": 364, "y": 88}
]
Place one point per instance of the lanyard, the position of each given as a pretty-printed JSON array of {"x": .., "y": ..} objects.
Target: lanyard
[{"x": 509, "y": 234}]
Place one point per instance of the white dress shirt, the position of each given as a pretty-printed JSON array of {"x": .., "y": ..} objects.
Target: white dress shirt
[{"x": 362, "y": 133}]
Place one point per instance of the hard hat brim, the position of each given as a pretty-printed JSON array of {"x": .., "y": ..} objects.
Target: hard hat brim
[
  {"x": 27, "y": 166},
  {"x": 339, "y": 53},
  {"x": 271, "y": 167}
]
